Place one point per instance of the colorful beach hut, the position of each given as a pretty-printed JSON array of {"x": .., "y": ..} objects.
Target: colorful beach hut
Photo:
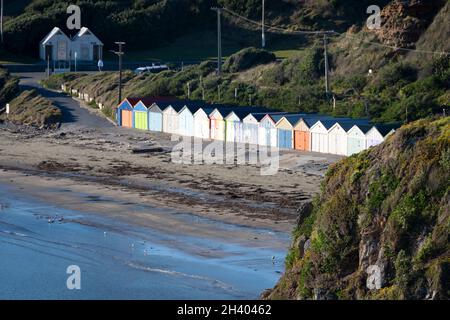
[
  {"x": 155, "y": 118},
  {"x": 285, "y": 131},
  {"x": 217, "y": 125},
  {"x": 233, "y": 128},
  {"x": 302, "y": 131},
  {"x": 140, "y": 116},
  {"x": 268, "y": 135},
  {"x": 287, "y": 134},
  {"x": 125, "y": 112}
]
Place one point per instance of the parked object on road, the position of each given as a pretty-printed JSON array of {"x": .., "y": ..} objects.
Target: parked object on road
[{"x": 154, "y": 68}]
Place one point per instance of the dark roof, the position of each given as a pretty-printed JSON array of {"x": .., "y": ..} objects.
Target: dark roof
[
  {"x": 385, "y": 129},
  {"x": 261, "y": 115},
  {"x": 276, "y": 117},
  {"x": 149, "y": 101},
  {"x": 243, "y": 112},
  {"x": 294, "y": 118},
  {"x": 207, "y": 110},
  {"x": 345, "y": 123},
  {"x": 192, "y": 105},
  {"x": 365, "y": 128}
]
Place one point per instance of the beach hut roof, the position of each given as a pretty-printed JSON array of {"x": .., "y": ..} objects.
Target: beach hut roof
[
  {"x": 276, "y": 117},
  {"x": 242, "y": 112},
  {"x": 140, "y": 106},
  {"x": 260, "y": 115},
  {"x": 385, "y": 129},
  {"x": 55, "y": 31},
  {"x": 293, "y": 119},
  {"x": 208, "y": 111},
  {"x": 86, "y": 32},
  {"x": 149, "y": 101},
  {"x": 363, "y": 128}
]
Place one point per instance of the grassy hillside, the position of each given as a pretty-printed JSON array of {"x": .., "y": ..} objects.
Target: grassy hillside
[
  {"x": 404, "y": 85},
  {"x": 9, "y": 87},
  {"x": 31, "y": 109},
  {"x": 395, "y": 93},
  {"x": 143, "y": 23},
  {"x": 387, "y": 207}
]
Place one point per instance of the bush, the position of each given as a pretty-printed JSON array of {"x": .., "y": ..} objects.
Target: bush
[{"x": 247, "y": 58}]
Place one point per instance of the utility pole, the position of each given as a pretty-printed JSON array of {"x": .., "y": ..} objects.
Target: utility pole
[
  {"x": 219, "y": 40},
  {"x": 1, "y": 21},
  {"x": 327, "y": 83},
  {"x": 120, "y": 54},
  {"x": 263, "y": 24},
  {"x": 189, "y": 90}
]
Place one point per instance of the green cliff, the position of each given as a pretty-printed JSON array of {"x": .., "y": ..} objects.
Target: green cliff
[{"x": 380, "y": 227}]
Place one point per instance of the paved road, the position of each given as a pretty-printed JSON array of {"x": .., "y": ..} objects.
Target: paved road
[{"x": 74, "y": 116}]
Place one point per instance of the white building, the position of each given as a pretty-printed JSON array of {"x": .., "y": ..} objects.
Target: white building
[
  {"x": 87, "y": 46},
  {"x": 55, "y": 46},
  {"x": 84, "y": 46}
]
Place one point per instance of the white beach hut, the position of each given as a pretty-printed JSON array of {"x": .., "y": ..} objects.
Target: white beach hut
[
  {"x": 55, "y": 46},
  {"x": 337, "y": 139},
  {"x": 170, "y": 120},
  {"x": 186, "y": 121},
  {"x": 319, "y": 137},
  {"x": 357, "y": 140},
  {"x": 202, "y": 123},
  {"x": 87, "y": 46},
  {"x": 250, "y": 126},
  {"x": 378, "y": 134}
]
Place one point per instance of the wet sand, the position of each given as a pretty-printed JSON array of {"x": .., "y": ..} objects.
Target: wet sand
[
  {"x": 103, "y": 158},
  {"x": 122, "y": 260}
]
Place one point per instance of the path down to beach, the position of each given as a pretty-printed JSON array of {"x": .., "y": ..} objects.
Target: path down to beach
[{"x": 74, "y": 116}]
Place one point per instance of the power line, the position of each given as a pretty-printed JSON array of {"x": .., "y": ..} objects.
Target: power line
[
  {"x": 390, "y": 46},
  {"x": 275, "y": 29},
  {"x": 279, "y": 30}
]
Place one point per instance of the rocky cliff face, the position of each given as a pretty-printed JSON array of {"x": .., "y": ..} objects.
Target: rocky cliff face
[
  {"x": 403, "y": 22},
  {"x": 380, "y": 228}
]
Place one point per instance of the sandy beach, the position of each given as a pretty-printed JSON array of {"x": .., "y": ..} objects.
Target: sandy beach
[
  {"x": 102, "y": 162},
  {"x": 220, "y": 231}
]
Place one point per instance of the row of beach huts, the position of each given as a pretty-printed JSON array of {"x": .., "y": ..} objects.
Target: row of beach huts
[{"x": 252, "y": 125}]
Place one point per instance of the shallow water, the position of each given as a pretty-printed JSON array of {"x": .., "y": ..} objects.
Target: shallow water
[{"x": 123, "y": 261}]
